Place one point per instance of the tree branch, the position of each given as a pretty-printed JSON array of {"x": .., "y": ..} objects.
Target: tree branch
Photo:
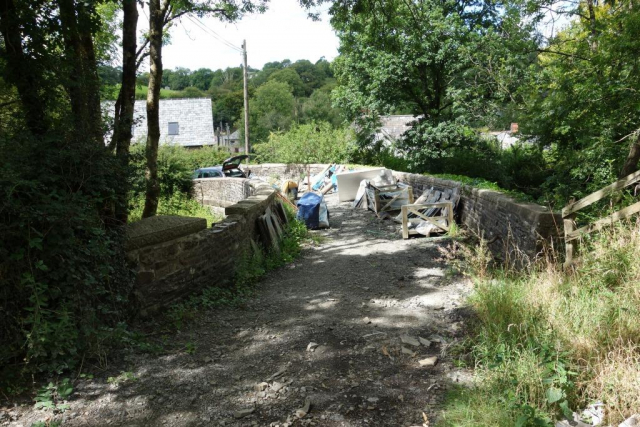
[{"x": 568, "y": 55}]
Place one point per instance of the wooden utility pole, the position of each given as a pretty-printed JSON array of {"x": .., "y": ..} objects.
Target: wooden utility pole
[{"x": 246, "y": 100}]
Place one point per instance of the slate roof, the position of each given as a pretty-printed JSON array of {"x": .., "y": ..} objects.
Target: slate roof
[{"x": 392, "y": 127}]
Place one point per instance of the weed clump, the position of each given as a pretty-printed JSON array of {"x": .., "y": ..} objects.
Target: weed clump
[{"x": 549, "y": 342}]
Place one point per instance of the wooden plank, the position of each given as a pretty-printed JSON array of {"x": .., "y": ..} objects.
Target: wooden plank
[
  {"x": 416, "y": 209},
  {"x": 393, "y": 199},
  {"x": 431, "y": 205},
  {"x": 287, "y": 201},
  {"x": 282, "y": 215},
  {"x": 600, "y": 194},
  {"x": 599, "y": 224},
  {"x": 570, "y": 247},
  {"x": 405, "y": 227},
  {"x": 431, "y": 219}
]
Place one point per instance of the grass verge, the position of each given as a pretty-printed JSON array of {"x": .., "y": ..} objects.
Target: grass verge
[{"x": 548, "y": 342}]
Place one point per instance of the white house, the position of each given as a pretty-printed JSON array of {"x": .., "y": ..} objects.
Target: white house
[{"x": 187, "y": 121}]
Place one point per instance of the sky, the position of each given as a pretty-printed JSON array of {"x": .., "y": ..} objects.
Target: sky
[{"x": 283, "y": 32}]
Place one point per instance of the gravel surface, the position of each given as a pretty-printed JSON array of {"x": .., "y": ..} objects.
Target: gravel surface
[{"x": 358, "y": 327}]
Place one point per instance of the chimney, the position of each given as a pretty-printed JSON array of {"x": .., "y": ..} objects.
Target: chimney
[{"x": 514, "y": 128}]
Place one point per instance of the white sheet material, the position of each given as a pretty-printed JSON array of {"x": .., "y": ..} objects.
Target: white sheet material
[{"x": 349, "y": 182}]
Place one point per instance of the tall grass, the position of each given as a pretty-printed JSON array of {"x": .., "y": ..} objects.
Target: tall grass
[{"x": 548, "y": 342}]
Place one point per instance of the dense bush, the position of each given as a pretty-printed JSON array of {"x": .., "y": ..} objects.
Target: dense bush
[
  {"x": 308, "y": 143},
  {"x": 65, "y": 284},
  {"x": 176, "y": 165}
]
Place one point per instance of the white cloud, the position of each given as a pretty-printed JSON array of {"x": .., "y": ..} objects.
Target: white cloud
[{"x": 283, "y": 32}]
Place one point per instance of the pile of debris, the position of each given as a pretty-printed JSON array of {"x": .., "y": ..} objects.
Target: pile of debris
[
  {"x": 431, "y": 213},
  {"x": 383, "y": 194},
  {"x": 375, "y": 189},
  {"x": 311, "y": 206},
  {"x": 435, "y": 217},
  {"x": 271, "y": 227}
]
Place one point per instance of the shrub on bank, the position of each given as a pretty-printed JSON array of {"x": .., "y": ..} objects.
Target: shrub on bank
[
  {"x": 175, "y": 172},
  {"x": 549, "y": 342},
  {"x": 308, "y": 143}
]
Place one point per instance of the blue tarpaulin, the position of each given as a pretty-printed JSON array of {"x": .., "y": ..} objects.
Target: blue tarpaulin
[{"x": 313, "y": 211}]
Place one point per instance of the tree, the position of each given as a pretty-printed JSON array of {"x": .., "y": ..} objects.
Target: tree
[
  {"x": 201, "y": 78},
  {"x": 314, "y": 142},
  {"x": 64, "y": 278},
  {"x": 179, "y": 79},
  {"x": 290, "y": 77},
  {"x": 272, "y": 108},
  {"x": 578, "y": 102},
  {"x": 228, "y": 107},
  {"x": 123, "y": 118},
  {"x": 161, "y": 14},
  {"x": 318, "y": 108},
  {"x": 311, "y": 76},
  {"x": 418, "y": 57}
]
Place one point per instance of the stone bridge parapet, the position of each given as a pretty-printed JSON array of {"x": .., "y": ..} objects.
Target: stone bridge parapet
[{"x": 175, "y": 257}]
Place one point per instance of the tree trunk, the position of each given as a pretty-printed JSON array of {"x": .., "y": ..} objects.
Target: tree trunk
[
  {"x": 631, "y": 163},
  {"x": 593, "y": 29},
  {"x": 83, "y": 86},
  {"x": 126, "y": 103},
  {"x": 156, "y": 22},
  {"x": 20, "y": 70}
]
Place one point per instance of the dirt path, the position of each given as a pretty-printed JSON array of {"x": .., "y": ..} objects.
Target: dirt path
[{"x": 355, "y": 296}]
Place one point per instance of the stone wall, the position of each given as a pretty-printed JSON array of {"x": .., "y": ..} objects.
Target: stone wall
[
  {"x": 514, "y": 230},
  {"x": 278, "y": 171},
  {"x": 177, "y": 256},
  {"x": 221, "y": 192}
]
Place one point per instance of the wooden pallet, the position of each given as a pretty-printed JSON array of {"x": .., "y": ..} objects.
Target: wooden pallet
[
  {"x": 419, "y": 212},
  {"x": 380, "y": 200}
]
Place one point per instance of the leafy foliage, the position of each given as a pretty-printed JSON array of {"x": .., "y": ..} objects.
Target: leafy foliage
[
  {"x": 176, "y": 165},
  {"x": 308, "y": 143},
  {"x": 64, "y": 276}
]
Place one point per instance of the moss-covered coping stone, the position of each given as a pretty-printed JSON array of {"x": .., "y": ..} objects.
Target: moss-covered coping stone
[{"x": 161, "y": 228}]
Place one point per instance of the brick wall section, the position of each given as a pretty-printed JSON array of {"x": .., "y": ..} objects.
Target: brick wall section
[
  {"x": 169, "y": 269},
  {"x": 221, "y": 192}
]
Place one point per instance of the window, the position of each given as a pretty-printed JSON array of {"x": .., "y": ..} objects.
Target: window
[{"x": 174, "y": 129}]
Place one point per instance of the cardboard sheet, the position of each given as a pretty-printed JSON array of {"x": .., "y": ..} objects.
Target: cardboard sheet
[{"x": 349, "y": 182}]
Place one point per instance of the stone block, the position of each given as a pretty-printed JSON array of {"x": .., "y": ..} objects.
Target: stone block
[{"x": 161, "y": 228}]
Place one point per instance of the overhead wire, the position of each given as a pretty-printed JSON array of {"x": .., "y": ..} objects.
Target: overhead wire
[{"x": 213, "y": 34}]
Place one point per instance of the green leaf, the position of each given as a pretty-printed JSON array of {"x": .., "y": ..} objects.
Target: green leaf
[
  {"x": 554, "y": 394},
  {"x": 566, "y": 411}
]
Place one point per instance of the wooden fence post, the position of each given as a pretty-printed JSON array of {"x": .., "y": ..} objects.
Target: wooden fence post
[{"x": 570, "y": 245}]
